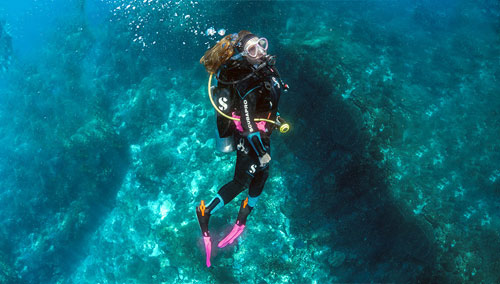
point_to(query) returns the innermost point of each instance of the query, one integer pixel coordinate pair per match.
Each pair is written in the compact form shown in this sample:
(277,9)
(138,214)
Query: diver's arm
(247,104)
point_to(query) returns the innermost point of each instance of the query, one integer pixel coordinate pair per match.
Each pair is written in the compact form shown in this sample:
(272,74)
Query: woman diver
(247,95)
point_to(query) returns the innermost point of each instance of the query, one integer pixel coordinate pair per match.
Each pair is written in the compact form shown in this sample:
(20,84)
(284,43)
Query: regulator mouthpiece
(271,60)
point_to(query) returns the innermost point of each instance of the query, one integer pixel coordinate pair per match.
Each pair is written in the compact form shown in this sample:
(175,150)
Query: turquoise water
(390,172)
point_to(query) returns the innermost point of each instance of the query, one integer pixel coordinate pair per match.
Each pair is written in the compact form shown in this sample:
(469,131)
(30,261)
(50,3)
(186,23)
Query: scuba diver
(247,95)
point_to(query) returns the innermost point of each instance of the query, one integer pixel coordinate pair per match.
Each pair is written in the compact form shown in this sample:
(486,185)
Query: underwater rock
(144,108)
(7,271)
(299,244)
(156,157)
(336,259)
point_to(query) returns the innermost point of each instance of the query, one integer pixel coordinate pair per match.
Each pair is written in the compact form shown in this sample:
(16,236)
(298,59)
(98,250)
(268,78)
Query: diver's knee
(243,179)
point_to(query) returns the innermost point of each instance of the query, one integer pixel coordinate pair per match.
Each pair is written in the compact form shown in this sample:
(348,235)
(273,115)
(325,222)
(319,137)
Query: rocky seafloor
(390,172)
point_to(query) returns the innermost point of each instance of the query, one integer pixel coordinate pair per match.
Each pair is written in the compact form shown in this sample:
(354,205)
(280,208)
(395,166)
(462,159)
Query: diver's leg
(224,196)
(203,212)
(243,175)
(227,192)
(256,187)
(233,188)
(254,191)
(257,184)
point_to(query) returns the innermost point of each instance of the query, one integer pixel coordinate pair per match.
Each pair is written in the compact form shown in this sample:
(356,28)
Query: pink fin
(208,248)
(229,239)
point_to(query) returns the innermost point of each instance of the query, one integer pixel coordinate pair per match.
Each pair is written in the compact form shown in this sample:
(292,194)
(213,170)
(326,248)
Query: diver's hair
(221,51)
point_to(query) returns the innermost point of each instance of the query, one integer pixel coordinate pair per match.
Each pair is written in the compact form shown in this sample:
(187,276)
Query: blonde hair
(221,51)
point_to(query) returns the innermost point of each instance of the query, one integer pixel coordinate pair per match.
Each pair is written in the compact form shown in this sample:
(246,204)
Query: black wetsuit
(255,97)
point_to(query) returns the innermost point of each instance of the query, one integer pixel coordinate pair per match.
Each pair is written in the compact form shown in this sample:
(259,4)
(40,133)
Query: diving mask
(256,47)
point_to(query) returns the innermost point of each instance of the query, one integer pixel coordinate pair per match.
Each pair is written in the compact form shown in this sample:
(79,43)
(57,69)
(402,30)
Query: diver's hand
(264,160)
